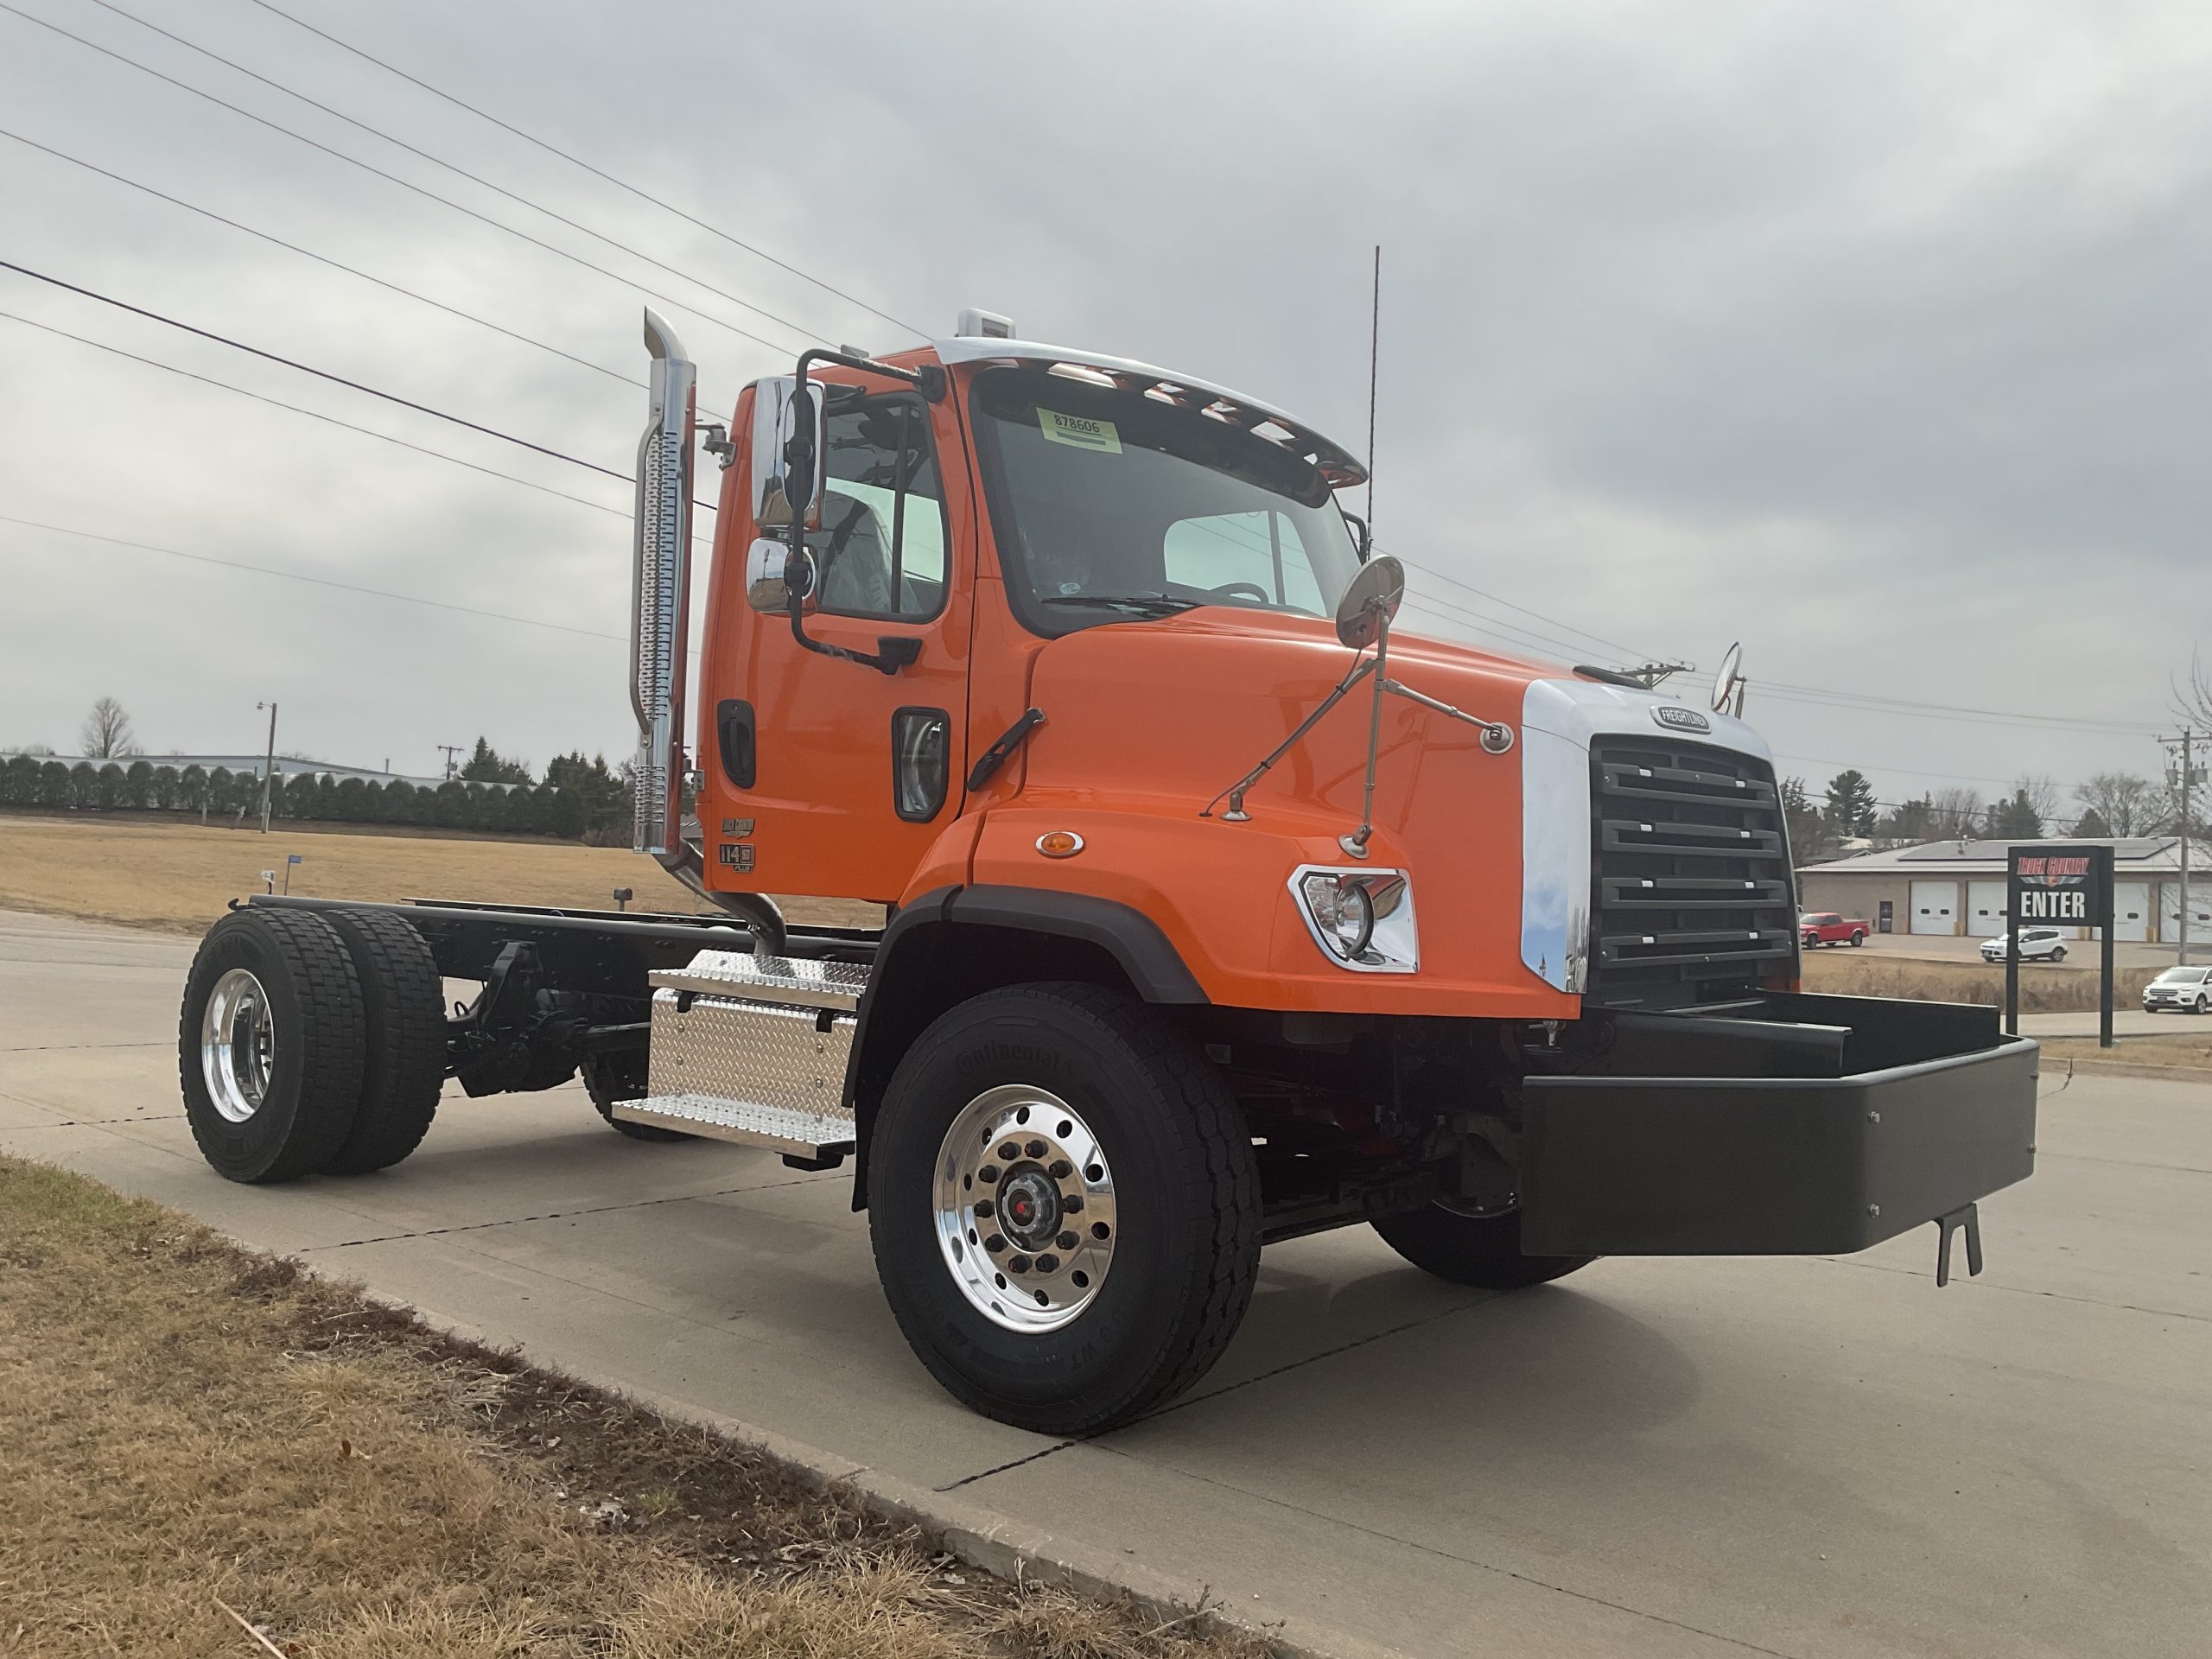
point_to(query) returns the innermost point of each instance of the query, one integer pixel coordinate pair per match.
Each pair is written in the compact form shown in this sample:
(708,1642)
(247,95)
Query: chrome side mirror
(770,578)
(1370,601)
(790,439)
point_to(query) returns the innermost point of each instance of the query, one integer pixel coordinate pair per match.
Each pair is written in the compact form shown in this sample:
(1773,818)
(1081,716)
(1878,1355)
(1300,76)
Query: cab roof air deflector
(1335,462)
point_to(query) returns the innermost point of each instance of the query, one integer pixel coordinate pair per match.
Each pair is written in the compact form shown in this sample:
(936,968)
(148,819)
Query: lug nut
(1067,1241)
(1060,1169)
(985,1209)
(1071,1202)
(995,1243)
(1008,1151)
(1017,1264)
(988,1173)
(1048,1264)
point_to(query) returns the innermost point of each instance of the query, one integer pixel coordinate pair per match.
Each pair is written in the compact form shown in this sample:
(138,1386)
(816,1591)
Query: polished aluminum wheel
(238,1046)
(1025,1208)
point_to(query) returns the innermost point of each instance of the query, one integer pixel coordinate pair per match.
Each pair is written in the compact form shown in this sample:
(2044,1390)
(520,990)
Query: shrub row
(224,795)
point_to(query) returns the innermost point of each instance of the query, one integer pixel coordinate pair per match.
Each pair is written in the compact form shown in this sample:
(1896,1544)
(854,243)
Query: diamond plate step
(793,979)
(783,1129)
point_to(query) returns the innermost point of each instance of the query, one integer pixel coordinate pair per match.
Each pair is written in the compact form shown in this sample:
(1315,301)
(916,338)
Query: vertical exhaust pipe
(660,614)
(660,609)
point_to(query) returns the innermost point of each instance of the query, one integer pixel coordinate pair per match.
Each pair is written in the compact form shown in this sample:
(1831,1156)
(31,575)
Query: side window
(881,550)
(1257,557)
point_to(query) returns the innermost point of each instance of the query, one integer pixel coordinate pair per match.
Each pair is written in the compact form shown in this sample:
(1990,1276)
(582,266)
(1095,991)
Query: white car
(2179,988)
(2037,944)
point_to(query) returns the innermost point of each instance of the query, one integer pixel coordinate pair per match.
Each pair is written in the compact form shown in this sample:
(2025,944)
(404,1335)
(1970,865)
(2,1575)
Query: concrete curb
(968,1531)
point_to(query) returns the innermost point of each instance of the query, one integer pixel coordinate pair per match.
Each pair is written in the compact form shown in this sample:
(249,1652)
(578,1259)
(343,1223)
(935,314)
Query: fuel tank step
(753,1048)
(806,1136)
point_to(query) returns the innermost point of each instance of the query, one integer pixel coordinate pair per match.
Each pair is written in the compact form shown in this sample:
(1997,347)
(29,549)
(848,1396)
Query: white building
(1958,888)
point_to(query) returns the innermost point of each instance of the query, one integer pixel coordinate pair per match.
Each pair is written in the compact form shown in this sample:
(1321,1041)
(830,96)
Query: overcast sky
(1873,335)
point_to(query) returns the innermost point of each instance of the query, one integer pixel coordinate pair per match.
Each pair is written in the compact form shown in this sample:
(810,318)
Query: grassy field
(2044,988)
(177,877)
(195,1440)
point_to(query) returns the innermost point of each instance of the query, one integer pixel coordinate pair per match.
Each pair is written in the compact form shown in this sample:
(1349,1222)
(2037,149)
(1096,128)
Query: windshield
(2182,977)
(1108,505)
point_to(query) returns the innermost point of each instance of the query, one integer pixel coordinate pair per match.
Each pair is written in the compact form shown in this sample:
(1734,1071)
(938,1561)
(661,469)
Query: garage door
(1934,905)
(1985,909)
(2131,911)
(2200,912)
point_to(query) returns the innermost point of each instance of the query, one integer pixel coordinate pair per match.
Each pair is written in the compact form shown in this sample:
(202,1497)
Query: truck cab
(1218,909)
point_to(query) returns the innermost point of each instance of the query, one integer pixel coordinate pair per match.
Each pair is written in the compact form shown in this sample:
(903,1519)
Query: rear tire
(1483,1251)
(1169,1158)
(609,1079)
(270,1045)
(403,1001)
(1858,939)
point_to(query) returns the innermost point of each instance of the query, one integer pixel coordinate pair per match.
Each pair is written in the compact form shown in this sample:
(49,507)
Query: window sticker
(1079,431)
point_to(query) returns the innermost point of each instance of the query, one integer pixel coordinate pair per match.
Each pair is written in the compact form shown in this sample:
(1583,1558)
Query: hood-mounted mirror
(1728,683)
(1370,601)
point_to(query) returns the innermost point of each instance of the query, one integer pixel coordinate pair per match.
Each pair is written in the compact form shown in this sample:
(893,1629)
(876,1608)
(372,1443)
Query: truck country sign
(2070,886)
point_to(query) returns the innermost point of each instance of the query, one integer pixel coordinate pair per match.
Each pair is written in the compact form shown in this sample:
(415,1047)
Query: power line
(1817,697)
(315,414)
(354,161)
(1596,638)
(575,160)
(315,581)
(802,331)
(323,259)
(319,374)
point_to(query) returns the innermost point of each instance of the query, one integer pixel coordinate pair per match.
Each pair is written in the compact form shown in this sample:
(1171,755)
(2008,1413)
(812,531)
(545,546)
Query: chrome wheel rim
(1025,1211)
(238,1046)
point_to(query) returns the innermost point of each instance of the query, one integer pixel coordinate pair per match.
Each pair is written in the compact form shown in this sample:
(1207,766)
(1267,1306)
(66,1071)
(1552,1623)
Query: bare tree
(2039,793)
(106,732)
(1955,812)
(2129,805)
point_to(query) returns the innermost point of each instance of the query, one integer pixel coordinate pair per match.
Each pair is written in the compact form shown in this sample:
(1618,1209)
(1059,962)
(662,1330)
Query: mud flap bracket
(1964,1218)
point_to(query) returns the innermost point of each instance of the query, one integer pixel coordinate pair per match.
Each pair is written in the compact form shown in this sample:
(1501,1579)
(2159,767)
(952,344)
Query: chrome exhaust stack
(660,616)
(659,595)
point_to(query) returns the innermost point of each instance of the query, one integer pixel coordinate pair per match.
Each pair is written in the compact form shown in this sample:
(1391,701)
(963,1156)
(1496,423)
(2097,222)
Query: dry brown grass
(2183,1051)
(186,1428)
(177,877)
(2043,989)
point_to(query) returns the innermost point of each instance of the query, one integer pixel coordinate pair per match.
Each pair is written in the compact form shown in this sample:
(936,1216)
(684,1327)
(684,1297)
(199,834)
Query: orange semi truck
(1220,912)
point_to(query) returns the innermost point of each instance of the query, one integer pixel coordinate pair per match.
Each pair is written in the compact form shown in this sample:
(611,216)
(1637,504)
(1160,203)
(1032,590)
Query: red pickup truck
(1826,927)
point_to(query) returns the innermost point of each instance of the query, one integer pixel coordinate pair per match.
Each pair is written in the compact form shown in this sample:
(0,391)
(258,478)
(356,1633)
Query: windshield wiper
(1139,604)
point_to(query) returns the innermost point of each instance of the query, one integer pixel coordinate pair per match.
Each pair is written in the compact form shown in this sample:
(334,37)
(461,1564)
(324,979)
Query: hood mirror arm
(1360,669)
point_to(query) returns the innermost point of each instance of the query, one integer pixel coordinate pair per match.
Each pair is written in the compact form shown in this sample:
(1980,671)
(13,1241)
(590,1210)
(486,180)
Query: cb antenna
(1374,354)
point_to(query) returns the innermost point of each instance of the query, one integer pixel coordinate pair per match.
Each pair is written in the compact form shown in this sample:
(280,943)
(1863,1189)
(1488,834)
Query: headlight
(1342,911)
(1363,919)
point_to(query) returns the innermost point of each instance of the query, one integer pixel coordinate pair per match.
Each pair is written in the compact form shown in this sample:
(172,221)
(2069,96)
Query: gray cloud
(1866,333)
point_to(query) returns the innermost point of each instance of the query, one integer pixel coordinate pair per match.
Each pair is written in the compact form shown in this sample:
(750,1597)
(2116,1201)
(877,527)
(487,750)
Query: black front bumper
(1803,1125)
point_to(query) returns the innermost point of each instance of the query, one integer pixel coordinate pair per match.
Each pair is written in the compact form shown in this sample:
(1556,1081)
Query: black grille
(1693,898)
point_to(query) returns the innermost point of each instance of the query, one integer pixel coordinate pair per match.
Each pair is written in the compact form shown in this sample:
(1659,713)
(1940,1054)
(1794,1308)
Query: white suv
(2178,987)
(2037,944)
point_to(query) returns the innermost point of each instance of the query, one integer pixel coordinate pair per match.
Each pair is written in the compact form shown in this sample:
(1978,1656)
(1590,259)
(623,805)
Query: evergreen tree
(1852,808)
(2091,826)
(486,764)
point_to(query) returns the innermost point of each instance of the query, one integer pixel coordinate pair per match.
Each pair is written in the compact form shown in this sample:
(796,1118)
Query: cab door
(823,776)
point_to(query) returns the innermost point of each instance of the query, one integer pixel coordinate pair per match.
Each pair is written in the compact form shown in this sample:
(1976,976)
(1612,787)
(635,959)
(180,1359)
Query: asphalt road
(1804,1457)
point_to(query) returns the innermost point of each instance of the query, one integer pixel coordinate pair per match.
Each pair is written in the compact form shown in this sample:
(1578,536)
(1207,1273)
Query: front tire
(2200,1005)
(1086,1105)
(2059,955)
(270,1045)
(1483,1251)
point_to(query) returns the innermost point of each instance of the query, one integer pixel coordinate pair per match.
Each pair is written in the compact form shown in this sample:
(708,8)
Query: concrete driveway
(1809,1456)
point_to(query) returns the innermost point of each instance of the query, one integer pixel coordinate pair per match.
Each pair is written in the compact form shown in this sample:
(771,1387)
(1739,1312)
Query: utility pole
(450,750)
(1374,360)
(2184,778)
(268,766)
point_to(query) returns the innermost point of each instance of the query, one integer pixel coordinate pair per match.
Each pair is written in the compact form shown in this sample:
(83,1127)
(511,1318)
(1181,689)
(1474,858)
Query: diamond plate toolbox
(765,1054)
